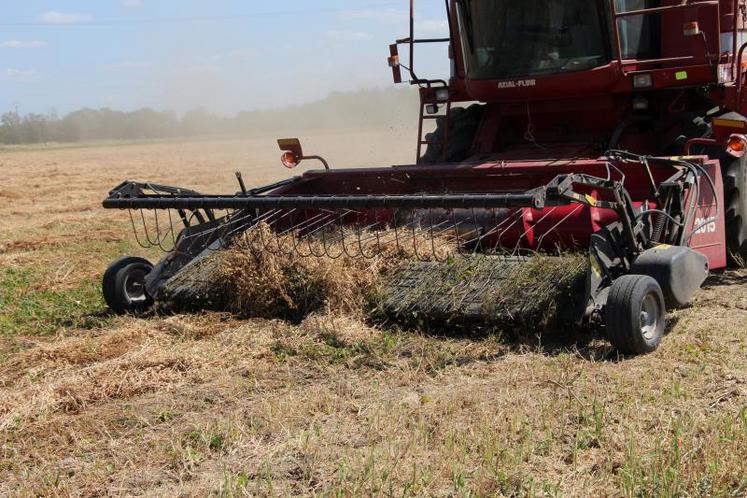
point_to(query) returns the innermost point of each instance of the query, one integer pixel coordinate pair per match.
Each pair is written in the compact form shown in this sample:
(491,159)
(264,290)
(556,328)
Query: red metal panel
(710,236)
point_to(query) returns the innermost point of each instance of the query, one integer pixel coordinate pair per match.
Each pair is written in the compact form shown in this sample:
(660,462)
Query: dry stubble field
(92,404)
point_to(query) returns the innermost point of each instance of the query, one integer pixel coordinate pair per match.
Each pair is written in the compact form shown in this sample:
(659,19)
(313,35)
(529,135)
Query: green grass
(26,307)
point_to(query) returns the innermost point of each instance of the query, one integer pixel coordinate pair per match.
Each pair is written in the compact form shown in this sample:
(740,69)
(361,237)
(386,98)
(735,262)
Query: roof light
(644,80)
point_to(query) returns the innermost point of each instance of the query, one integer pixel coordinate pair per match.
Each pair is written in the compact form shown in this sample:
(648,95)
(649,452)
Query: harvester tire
(463,125)
(735,200)
(123,285)
(635,314)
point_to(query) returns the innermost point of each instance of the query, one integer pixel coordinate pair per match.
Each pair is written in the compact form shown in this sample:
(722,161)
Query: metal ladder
(444,142)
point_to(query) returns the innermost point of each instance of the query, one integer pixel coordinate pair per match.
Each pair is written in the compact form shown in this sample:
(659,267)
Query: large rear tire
(735,200)
(635,314)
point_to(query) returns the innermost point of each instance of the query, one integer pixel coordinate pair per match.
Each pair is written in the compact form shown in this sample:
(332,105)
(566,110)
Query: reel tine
(309,222)
(557,225)
(518,216)
(396,231)
(145,229)
(136,232)
(343,237)
(162,237)
(326,243)
(526,232)
(173,230)
(372,228)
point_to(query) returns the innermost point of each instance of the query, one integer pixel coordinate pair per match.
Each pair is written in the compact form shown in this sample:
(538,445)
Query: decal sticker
(517,84)
(707,225)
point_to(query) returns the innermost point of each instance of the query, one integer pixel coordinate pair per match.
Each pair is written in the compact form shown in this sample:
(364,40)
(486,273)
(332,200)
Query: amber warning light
(293,153)
(737,146)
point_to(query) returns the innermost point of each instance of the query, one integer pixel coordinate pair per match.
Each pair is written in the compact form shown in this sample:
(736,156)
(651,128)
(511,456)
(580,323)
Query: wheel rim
(650,316)
(134,287)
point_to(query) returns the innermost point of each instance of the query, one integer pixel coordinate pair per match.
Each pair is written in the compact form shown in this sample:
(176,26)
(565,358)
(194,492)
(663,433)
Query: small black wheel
(635,314)
(124,285)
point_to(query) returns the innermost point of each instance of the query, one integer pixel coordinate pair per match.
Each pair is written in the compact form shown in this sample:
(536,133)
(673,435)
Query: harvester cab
(609,129)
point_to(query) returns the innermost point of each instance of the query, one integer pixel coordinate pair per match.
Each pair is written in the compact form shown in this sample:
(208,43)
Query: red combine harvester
(613,127)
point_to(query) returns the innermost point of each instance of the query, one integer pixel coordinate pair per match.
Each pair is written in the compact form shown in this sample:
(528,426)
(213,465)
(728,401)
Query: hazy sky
(225,55)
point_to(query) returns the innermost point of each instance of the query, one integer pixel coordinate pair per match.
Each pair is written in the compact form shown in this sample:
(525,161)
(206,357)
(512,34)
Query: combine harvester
(609,127)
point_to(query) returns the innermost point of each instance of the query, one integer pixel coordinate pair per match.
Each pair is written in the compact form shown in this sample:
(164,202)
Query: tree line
(341,110)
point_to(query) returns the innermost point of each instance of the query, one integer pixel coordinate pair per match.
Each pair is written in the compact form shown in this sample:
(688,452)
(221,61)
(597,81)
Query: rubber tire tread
(109,280)
(735,199)
(623,330)
(734,175)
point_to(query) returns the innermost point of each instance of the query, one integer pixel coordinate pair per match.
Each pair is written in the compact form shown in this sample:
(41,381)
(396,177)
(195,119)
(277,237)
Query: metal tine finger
(526,232)
(505,252)
(145,229)
(136,232)
(396,230)
(162,234)
(516,217)
(447,228)
(379,248)
(310,222)
(223,226)
(261,221)
(327,244)
(436,231)
(169,231)
(415,231)
(464,249)
(430,232)
(362,243)
(498,229)
(557,225)
(321,229)
(278,235)
(357,232)
(241,227)
(158,228)
(343,237)
(457,237)
(290,233)
(173,231)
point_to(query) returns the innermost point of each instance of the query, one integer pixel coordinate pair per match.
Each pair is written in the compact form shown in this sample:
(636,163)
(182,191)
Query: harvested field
(209,403)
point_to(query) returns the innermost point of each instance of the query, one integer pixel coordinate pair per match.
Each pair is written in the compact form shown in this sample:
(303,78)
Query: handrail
(739,76)
(653,10)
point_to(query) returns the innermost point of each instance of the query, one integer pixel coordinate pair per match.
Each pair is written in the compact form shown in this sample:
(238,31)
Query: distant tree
(339,110)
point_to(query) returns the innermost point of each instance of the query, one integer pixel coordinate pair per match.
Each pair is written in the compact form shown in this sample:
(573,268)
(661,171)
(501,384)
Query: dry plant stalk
(255,279)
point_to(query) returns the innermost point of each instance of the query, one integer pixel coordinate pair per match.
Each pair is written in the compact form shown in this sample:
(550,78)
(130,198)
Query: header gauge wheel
(124,285)
(635,314)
